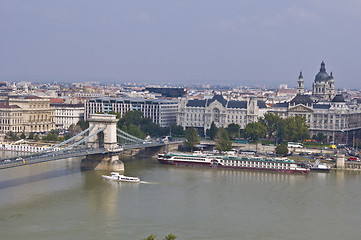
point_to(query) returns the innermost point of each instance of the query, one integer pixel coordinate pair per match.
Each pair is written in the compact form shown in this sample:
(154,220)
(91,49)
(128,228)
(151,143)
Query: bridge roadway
(62,154)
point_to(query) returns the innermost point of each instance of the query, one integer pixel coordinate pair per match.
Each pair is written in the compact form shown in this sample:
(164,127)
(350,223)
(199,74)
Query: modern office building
(167,92)
(162,111)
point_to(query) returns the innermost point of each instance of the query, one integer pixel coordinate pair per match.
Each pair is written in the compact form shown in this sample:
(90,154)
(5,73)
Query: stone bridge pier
(107,139)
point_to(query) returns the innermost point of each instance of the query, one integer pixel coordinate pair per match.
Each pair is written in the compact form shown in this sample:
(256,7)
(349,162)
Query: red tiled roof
(56,100)
(32,97)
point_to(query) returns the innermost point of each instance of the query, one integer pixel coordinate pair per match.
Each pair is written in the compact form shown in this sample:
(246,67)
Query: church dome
(322,75)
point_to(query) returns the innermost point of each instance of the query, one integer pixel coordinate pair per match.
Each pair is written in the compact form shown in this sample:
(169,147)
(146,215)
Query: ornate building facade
(38,116)
(26,114)
(324,111)
(324,84)
(201,113)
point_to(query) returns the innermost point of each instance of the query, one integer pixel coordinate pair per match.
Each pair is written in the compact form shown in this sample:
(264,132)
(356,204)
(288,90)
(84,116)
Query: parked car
(354,159)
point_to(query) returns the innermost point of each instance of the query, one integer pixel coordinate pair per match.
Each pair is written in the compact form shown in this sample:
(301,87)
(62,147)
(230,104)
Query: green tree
(177,130)
(222,140)
(12,136)
(133,130)
(320,137)
(74,129)
(36,137)
(150,128)
(282,149)
(31,135)
(282,132)
(22,136)
(233,130)
(151,237)
(296,129)
(115,113)
(255,131)
(271,122)
(52,136)
(83,124)
(212,132)
(170,237)
(131,117)
(192,138)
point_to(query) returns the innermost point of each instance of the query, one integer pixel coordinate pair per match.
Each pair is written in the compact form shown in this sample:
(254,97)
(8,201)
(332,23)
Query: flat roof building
(162,111)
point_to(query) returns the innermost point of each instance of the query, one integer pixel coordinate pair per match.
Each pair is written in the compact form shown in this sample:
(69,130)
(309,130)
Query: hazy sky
(243,42)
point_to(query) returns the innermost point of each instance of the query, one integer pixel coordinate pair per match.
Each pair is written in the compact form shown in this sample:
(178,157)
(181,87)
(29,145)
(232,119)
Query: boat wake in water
(145,182)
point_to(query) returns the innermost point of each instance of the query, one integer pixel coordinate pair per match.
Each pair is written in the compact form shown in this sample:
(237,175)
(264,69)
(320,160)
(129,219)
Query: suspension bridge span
(101,145)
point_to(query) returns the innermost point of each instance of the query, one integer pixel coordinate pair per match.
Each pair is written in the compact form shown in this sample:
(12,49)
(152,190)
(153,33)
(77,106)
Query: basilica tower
(323,86)
(300,85)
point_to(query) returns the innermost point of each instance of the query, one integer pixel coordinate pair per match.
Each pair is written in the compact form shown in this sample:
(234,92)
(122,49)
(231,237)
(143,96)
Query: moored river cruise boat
(226,161)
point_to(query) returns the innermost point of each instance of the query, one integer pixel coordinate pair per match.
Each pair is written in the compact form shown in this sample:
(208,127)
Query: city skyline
(241,43)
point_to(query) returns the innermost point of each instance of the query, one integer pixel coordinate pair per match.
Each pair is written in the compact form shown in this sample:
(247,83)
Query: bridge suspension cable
(130,136)
(126,138)
(69,140)
(84,139)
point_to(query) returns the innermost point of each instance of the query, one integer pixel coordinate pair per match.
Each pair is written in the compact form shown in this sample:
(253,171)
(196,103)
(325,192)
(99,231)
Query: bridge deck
(62,154)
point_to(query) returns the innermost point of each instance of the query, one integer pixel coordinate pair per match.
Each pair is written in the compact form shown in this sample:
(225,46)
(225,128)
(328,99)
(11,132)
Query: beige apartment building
(26,114)
(10,118)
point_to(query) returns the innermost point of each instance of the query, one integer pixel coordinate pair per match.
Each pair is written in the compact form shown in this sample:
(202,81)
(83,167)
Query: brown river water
(56,200)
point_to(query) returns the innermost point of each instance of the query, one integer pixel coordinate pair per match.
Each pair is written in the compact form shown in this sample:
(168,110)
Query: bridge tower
(98,121)
(109,160)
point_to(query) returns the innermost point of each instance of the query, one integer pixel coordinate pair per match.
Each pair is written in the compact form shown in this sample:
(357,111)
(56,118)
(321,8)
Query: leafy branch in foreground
(170,236)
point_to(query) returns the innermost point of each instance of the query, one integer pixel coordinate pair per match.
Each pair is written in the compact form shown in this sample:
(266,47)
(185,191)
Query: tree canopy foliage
(255,131)
(212,132)
(83,124)
(168,237)
(12,136)
(282,149)
(133,122)
(271,122)
(233,130)
(192,138)
(222,140)
(52,136)
(295,129)
(288,129)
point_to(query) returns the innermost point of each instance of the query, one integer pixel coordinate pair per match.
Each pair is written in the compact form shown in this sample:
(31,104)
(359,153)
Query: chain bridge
(101,145)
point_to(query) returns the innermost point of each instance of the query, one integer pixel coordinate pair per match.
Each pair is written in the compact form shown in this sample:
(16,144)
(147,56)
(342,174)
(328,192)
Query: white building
(201,113)
(338,120)
(162,112)
(67,114)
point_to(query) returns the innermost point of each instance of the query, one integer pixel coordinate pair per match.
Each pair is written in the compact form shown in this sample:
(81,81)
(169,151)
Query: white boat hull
(120,178)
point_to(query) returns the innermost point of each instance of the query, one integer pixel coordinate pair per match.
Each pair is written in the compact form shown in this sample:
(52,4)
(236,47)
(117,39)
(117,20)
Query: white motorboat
(114,176)
(322,167)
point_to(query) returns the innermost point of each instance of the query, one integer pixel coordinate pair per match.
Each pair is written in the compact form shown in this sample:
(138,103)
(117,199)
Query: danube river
(56,200)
